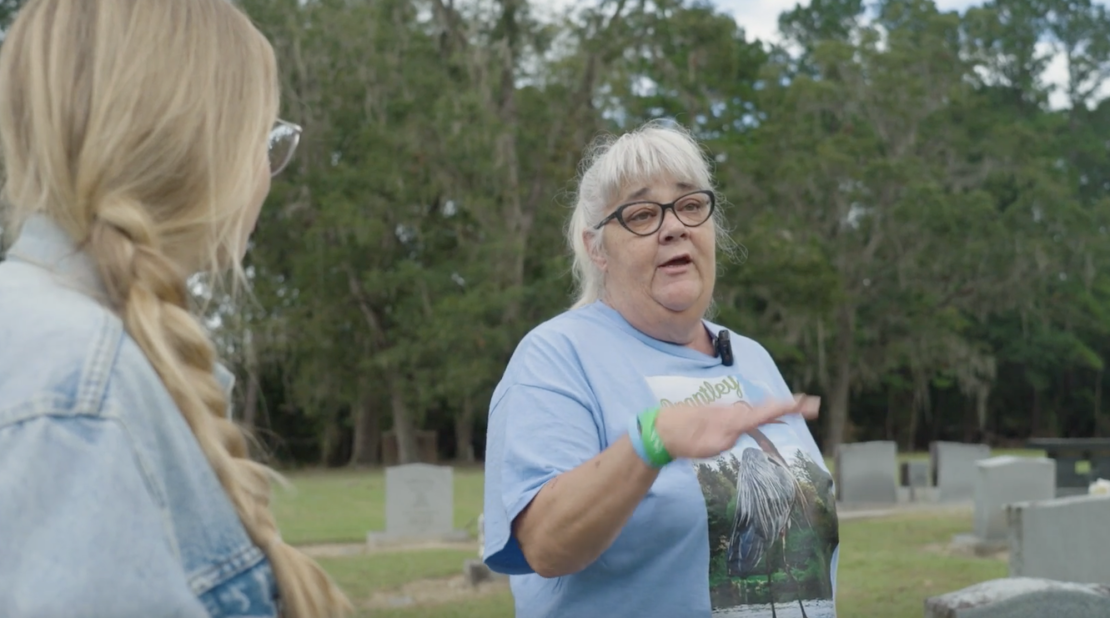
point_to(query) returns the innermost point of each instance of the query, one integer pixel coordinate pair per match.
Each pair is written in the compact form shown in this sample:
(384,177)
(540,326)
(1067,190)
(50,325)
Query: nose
(671,228)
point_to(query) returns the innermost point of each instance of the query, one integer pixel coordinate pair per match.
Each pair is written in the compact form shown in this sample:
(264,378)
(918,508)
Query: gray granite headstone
(1065,539)
(866,472)
(915,482)
(915,473)
(953,466)
(1022,597)
(1005,480)
(1049,603)
(419,505)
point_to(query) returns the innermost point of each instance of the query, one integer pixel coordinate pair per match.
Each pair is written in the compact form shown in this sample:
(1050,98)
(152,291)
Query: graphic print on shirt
(772,513)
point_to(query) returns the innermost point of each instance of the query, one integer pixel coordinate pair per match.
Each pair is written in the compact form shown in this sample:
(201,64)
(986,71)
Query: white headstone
(1006,480)
(866,472)
(1065,539)
(419,501)
(954,469)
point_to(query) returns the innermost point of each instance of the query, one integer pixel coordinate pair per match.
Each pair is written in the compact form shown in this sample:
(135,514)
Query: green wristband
(656,453)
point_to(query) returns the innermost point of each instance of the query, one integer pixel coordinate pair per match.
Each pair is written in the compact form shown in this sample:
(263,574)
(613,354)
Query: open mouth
(678,261)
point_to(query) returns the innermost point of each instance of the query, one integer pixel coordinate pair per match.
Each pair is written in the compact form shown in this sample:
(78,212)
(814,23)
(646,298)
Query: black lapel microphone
(724,348)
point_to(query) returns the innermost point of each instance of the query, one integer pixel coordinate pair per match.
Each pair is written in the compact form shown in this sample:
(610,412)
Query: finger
(808,406)
(765,412)
(801,403)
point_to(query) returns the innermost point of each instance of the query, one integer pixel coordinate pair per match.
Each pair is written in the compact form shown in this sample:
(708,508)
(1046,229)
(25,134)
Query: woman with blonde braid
(139,138)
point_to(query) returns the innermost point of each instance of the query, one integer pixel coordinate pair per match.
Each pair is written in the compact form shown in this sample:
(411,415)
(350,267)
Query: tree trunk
(464,433)
(1035,414)
(403,428)
(1098,400)
(1055,428)
(891,405)
(331,441)
(970,420)
(367,438)
(842,380)
(250,401)
(250,367)
(911,434)
(936,421)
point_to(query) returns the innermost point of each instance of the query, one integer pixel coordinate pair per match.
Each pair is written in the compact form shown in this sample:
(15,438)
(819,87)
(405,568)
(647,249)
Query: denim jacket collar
(43,243)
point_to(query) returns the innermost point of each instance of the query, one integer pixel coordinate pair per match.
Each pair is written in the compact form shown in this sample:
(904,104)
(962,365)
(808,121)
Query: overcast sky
(760,20)
(760,17)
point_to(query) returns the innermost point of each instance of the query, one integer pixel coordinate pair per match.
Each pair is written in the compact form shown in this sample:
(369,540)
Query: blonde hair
(138,126)
(612,163)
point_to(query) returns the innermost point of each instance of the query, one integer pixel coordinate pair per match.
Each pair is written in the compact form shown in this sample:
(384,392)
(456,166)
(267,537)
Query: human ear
(595,247)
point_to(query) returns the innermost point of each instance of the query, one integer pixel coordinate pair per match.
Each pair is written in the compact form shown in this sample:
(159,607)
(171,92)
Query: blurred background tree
(923,237)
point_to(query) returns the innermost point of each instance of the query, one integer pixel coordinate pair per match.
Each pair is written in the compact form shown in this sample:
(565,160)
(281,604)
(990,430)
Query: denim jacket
(108,507)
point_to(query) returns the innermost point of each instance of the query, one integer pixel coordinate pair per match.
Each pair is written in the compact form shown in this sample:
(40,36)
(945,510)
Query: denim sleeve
(80,532)
(535,434)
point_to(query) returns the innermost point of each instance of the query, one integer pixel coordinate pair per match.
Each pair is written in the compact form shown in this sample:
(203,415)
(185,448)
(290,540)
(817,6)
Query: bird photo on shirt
(771,510)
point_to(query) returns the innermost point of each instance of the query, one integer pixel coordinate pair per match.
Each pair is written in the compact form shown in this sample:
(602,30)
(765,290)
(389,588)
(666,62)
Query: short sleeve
(79,530)
(536,432)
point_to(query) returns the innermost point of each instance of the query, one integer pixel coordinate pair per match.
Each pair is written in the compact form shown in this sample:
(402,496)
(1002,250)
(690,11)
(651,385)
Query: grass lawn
(344,505)
(887,566)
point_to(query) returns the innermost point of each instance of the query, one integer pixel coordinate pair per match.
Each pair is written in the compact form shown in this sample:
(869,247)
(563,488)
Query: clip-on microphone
(724,348)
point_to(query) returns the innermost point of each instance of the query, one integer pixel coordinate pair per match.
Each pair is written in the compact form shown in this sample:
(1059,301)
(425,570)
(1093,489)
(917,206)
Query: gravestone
(1079,462)
(914,478)
(419,505)
(1006,480)
(1064,539)
(953,466)
(865,472)
(915,473)
(1022,597)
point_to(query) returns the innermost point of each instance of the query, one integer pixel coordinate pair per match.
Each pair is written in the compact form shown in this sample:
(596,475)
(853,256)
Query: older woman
(641,460)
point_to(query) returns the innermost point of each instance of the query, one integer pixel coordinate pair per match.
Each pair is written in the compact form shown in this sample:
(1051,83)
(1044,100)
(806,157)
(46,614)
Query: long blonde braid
(137,125)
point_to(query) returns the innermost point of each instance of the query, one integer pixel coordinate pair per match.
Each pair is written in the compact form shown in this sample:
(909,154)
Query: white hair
(655,149)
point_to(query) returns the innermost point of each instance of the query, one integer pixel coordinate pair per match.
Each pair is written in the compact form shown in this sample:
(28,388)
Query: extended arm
(566,499)
(578,514)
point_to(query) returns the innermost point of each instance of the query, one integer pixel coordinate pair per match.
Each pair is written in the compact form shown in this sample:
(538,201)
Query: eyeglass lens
(283,141)
(646,217)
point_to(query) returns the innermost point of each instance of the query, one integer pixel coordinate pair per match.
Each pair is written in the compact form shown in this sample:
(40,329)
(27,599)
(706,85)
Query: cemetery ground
(888,564)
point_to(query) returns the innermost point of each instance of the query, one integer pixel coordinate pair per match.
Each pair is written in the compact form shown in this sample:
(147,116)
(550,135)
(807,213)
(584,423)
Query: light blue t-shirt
(692,548)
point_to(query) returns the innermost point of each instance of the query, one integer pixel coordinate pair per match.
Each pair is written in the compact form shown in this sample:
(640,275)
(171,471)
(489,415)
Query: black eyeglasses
(283,139)
(645,218)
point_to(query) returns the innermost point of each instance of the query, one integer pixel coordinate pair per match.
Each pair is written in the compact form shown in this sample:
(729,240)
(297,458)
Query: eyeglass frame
(296,130)
(618,214)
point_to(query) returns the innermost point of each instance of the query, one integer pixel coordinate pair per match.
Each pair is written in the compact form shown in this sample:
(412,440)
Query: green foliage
(923,239)
(322,507)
